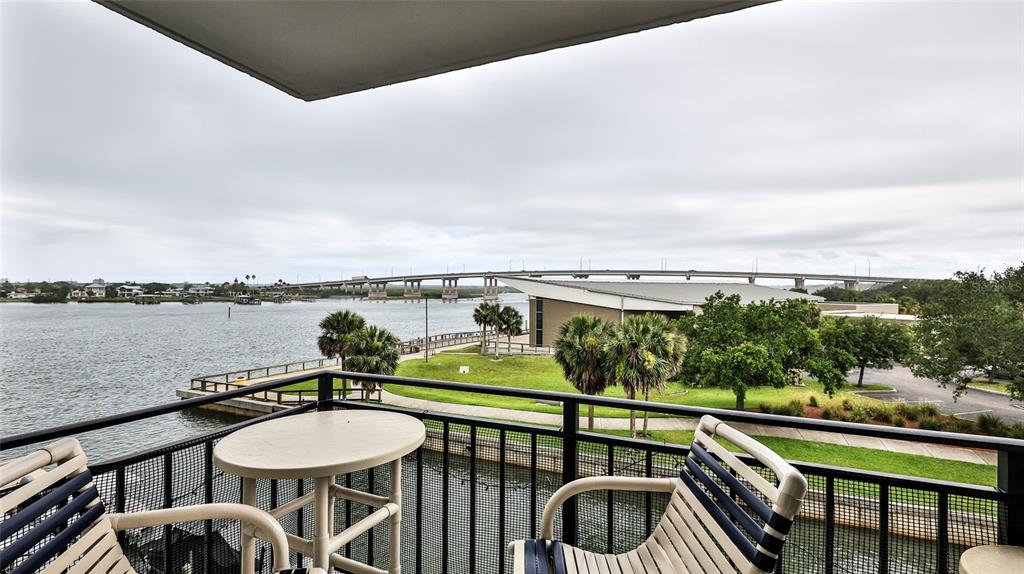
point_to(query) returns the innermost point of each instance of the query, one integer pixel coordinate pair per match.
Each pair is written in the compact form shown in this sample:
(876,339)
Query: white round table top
(992,559)
(318,444)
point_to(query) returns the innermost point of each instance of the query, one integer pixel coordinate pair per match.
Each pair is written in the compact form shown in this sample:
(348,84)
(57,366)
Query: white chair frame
(695,535)
(84,539)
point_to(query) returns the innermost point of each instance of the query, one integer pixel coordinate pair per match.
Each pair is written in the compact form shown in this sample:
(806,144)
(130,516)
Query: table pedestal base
(324,544)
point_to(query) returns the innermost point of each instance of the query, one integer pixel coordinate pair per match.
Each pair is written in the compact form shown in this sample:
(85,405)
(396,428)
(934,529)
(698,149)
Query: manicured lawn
(542,373)
(857,457)
(987,386)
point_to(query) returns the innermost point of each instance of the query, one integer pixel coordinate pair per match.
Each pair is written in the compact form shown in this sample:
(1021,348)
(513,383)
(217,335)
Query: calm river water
(67,363)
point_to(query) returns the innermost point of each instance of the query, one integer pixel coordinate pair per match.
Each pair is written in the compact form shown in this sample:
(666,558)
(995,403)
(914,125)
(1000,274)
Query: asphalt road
(969,405)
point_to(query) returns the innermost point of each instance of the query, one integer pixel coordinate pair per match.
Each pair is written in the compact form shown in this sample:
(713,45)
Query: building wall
(862,307)
(558,312)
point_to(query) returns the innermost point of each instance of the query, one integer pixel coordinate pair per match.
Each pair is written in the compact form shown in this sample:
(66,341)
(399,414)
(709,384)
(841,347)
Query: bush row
(899,414)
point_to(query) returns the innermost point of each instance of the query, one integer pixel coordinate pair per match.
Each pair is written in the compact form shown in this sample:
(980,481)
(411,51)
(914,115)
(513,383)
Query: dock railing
(408,347)
(477,483)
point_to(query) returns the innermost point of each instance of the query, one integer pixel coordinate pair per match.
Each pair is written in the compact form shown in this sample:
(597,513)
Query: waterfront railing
(408,347)
(477,484)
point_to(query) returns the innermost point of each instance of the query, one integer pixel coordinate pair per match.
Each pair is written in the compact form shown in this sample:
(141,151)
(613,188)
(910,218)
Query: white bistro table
(321,446)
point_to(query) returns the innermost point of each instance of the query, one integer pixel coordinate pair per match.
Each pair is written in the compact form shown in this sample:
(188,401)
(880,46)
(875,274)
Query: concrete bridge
(376,287)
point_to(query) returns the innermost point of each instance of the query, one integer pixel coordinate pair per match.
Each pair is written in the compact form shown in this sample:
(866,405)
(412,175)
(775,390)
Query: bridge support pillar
(852,285)
(800,283)
(751,280)
(412,289)
(490,288)
(378,291)
(450,289)
(632,277)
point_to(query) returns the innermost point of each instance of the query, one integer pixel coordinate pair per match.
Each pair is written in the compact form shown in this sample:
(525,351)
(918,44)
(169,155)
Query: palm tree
(580,351)
(509,322)
(485,315)
(637,351)
(338,332)
(670,346)
(374,351)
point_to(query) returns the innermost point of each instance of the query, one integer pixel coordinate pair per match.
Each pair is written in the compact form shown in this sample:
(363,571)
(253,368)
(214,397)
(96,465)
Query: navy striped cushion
(758,544)
(69,518)
(537,559)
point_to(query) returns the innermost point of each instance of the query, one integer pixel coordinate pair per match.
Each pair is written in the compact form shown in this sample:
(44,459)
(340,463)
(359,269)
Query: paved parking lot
(970,405)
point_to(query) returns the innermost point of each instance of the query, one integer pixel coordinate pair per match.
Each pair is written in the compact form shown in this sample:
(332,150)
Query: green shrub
(992,425)
(898,421)
(928,410)
(826,413)
(882,415)
(793,408)
(1017,431)
(765,407)
(847,405)
(909,412)
(859,415)
(932,423)
(963,426)
(812,401)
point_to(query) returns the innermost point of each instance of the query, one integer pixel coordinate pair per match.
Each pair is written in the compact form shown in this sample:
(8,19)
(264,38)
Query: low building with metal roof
(553,302)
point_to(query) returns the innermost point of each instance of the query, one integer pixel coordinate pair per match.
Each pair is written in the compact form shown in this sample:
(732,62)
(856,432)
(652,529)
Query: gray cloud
(805,135)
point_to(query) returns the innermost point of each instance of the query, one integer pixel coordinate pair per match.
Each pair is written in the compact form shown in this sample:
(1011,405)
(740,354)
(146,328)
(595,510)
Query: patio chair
(723,516)
(55,522)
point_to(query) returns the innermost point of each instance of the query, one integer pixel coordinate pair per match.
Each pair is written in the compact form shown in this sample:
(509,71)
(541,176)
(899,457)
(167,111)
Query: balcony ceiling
(317,49)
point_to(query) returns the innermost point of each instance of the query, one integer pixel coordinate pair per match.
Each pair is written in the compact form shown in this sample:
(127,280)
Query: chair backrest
(53,518)
(729,517)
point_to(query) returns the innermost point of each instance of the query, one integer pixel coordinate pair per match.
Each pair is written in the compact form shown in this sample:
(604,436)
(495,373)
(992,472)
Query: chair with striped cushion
(723,516)
(55,522)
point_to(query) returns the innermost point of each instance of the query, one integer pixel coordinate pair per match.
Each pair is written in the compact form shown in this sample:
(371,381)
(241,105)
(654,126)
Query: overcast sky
(809,136)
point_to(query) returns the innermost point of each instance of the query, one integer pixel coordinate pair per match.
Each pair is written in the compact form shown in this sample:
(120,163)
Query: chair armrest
(266,527)
(629,483)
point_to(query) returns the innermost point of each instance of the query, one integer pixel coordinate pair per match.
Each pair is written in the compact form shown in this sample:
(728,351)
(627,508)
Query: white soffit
(547,290)
(314,49)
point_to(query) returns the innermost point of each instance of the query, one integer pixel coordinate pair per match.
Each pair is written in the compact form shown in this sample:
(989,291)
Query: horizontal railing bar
(876,477)
(935,485)
(914,435)
(455,419)
(23,439)
(133,458)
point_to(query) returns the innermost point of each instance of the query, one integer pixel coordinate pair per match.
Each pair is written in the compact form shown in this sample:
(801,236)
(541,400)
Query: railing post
(570,430)
(324,386)
(1011,481)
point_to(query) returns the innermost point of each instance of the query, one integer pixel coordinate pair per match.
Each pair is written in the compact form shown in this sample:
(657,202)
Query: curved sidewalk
(671,423)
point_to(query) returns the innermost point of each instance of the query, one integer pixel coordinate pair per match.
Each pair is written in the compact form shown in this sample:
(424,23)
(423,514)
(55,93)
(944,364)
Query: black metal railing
(477,484)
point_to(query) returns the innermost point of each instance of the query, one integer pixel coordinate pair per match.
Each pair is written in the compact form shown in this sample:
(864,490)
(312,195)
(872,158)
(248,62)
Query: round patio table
(321,446)
(992,559)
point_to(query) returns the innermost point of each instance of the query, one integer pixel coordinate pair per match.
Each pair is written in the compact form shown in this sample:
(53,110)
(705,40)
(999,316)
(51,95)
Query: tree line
(974,324)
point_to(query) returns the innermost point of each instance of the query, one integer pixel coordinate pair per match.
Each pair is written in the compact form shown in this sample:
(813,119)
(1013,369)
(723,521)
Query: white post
(248,543)
(322,530)
(395,496)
